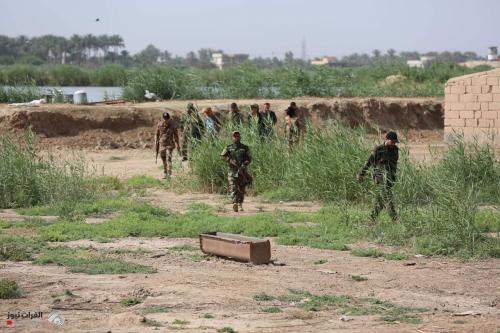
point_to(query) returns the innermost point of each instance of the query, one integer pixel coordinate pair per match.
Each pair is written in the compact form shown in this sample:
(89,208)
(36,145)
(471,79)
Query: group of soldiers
(383,159)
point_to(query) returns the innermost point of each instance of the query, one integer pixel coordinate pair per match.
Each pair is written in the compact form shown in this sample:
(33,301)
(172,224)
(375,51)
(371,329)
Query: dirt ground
(211,293)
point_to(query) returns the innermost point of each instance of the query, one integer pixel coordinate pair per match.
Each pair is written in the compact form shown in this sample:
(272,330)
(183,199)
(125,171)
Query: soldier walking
(235,117)
(292,125)
(384,161)
(237,155)
(256,120)
(269,118)
(192,129)
(167,138)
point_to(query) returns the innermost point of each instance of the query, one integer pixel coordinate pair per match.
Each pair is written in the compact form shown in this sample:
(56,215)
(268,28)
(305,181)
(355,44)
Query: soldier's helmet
(166,115)
(392,136)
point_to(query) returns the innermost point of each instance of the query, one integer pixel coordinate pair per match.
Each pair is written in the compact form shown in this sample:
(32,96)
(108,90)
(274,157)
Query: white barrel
(80,97)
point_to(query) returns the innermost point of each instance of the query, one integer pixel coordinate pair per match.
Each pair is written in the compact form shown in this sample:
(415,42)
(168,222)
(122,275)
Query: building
(493,54)
(329,61)
(424,61)
(221,60)
(472,107)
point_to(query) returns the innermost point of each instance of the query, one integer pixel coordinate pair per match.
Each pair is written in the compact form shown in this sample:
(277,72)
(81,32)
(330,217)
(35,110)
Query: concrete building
(493,54)
(221,60)
(324,61)
(472,107)
(421,63)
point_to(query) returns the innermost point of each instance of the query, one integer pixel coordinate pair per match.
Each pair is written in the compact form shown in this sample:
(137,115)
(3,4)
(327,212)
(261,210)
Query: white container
(80,97)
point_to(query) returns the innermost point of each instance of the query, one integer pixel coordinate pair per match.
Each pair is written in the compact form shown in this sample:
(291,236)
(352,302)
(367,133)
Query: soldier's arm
(225,155)
(176,137)
(369,163)
(248,159)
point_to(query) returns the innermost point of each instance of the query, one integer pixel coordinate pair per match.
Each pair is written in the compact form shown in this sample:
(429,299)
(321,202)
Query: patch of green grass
(226,329)
(358,278)
(272,309)
(395,256)
(460,322)
(182,248)
(130,301)
(320,262)
(69,293)
(180,322)
(86,261)
(142,181)
(371,252)
(208,316)
(9,289)
(17,248)
(117,158)
(263,297)
(195,257)
(155,309)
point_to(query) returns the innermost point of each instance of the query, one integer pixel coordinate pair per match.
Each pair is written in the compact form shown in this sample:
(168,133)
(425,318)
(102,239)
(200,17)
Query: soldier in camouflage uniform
(167,138)
(292,125)
(192,128)
(384,161)
(238,157)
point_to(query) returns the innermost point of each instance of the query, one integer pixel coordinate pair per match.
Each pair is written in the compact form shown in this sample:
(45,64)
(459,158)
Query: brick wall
(472,106)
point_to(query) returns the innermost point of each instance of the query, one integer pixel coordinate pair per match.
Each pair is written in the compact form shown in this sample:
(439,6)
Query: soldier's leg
(184,147)
(379,203)
(163,155)
(168,168)
(233,191)
(389,202)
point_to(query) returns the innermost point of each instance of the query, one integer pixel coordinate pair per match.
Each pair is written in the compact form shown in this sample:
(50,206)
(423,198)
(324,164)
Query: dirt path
(190,289)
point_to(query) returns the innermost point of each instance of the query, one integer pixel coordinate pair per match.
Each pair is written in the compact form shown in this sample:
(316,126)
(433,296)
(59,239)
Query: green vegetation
(130,301)
(226,329)
(180,322)
(395,256)
(155,309)
(348,305)
(371,252)
(182,248)
(28,179)
(208,316)
(143,182)
(263,297)
(9,289)
(17,248)
(358,278)
(82,260)
(271,309)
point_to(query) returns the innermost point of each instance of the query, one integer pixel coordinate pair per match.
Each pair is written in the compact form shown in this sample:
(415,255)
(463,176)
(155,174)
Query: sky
(266,27)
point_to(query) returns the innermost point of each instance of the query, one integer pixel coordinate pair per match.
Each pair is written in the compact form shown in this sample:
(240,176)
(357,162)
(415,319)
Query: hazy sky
(266,27)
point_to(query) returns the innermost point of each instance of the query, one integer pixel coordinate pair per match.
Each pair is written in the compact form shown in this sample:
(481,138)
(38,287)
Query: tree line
(91,50)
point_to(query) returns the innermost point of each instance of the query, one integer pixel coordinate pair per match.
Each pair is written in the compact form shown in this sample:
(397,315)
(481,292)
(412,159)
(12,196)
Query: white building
(323,61)
(424,61)
(221,60)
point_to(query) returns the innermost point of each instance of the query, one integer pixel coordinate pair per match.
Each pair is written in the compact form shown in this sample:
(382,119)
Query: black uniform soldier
(192,129)
(256,120)
(270,119)
(235,116)
(238,157)
(384,161)
(167,138)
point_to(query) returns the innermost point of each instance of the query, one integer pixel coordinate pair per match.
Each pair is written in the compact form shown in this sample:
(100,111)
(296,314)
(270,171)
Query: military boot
(235,207)
(241,206)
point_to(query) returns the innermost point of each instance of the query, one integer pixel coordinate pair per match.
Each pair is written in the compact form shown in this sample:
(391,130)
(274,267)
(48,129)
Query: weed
(208,316)
(90,262)
(9,289)
(130,301)
(271,309)
(155,309)
(371,252)
(226,329)
(182,248)
(180,322)
(358,278)
(263,297)
(16,248)
(143,182)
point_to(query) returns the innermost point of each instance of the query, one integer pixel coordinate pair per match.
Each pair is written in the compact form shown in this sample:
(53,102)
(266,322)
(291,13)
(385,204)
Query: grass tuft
(9,289)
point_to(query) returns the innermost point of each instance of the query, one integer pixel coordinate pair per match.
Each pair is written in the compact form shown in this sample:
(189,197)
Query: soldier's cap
(165,115)
(236,132)
(392,136)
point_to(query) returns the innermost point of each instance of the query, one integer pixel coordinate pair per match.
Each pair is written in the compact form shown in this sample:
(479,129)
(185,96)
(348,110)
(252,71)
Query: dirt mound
(132,125)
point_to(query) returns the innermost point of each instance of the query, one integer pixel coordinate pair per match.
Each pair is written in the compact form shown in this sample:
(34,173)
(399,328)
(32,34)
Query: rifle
(157,144)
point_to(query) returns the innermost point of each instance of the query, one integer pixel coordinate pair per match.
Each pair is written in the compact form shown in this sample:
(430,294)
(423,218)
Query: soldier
(192,128)
(238,157)
(236,118)
(211,122)
(270,119)
(167,138)
(292,126)
(384,161)
(256,120)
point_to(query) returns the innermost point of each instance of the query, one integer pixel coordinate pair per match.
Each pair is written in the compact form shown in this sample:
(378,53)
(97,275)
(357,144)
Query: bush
(28,179)
(9,289)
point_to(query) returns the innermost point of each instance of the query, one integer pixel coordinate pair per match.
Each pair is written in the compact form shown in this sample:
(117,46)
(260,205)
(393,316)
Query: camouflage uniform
(192,129)
(238,176)
(292,126)
(168,138)
(384,161)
